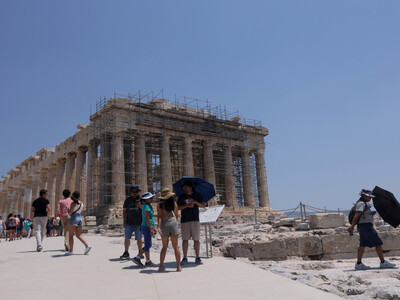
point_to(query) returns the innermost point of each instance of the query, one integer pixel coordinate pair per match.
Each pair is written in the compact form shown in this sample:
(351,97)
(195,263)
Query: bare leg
(197,248)
(360,253)
(146,253)
(127,244)
(139,244)
(165,240)
(185,245)
(79,235)
(379,251)
(71,237)
(174,241)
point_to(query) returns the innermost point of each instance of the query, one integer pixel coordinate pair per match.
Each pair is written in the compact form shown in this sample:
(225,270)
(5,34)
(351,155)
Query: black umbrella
(387,206)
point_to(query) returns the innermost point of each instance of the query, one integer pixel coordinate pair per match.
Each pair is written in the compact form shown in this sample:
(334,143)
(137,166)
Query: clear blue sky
(323,76)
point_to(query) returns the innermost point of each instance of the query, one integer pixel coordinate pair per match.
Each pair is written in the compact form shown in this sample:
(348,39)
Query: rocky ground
(335,276)
(339,277)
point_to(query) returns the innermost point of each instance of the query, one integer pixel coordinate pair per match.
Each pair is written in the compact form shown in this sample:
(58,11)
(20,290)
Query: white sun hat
(367,193)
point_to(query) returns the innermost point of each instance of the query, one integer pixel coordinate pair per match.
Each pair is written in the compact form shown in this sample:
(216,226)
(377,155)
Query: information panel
(210,214)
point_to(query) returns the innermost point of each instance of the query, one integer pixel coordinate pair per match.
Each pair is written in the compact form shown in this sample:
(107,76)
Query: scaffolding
(151,114)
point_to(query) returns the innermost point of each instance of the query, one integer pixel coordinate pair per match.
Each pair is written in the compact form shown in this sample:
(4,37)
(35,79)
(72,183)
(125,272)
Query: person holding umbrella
(189,203)
(363,218)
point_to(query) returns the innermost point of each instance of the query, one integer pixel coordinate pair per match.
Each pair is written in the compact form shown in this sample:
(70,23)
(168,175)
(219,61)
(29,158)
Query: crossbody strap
(76,209)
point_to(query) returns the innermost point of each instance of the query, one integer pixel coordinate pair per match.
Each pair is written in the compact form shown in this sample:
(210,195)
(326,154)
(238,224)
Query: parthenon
(151,142)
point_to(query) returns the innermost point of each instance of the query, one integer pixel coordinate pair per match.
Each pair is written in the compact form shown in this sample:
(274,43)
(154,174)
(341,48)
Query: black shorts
(368,236)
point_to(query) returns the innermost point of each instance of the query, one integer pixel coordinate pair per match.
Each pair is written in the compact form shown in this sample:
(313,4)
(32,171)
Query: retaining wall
(338,246)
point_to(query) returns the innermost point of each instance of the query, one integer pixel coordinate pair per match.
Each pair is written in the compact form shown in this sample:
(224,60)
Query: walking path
(26,273)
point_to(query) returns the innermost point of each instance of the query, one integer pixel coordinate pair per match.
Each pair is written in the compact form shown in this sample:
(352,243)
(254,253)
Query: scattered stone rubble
(321,257)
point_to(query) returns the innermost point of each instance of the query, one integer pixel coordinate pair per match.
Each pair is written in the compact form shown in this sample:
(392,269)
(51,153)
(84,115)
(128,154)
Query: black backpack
(11,222)
(353,212)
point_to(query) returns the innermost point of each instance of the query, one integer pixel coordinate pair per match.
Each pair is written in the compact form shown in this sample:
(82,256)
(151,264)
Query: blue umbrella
(204,188)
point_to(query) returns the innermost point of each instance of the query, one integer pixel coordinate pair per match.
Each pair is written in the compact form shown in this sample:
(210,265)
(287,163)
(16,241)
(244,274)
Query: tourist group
(138,220)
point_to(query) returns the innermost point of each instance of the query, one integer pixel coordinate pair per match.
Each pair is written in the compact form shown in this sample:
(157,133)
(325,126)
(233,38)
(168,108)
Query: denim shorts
(368,235)
(76,220)
(129,229)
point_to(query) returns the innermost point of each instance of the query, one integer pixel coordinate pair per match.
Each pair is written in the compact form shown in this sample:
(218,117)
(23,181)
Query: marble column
(141,162)
(28,197)
(262,179)
(60,171)
(21,197)
(230,189)
(118,170)
(188,168)
(3,205)
(6,204)
(43,179)
(209,171)
(248,187)
(165,161)
(69,172)
(90,176)
(35,190)
(51,178)
(80,174)
(11,200)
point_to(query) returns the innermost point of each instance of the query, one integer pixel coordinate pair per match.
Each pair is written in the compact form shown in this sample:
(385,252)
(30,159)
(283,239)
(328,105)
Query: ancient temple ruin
(151,142)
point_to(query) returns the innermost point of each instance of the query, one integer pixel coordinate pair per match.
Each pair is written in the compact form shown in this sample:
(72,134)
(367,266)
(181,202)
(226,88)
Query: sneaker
(184,261)
(387,265)
(87,249)
(125,255)
(361,266)
(198,261)
(69,253)
(150,264)
(39,249)
(66,248)
(137,261)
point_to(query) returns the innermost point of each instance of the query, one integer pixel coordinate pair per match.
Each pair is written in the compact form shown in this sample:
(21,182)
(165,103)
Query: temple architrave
(149,142)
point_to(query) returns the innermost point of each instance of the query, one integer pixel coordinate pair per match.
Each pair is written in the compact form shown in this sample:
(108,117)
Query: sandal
(161,269)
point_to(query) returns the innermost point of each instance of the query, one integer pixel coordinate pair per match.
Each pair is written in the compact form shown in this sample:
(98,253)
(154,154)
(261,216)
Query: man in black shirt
(40,209)
(189,203)
(132,215)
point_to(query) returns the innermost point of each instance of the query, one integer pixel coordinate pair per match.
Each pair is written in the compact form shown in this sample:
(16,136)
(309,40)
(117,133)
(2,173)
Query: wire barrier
(303,210)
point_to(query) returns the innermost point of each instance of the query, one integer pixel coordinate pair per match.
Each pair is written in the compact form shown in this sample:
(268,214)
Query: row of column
(188,169)
(70,173)
(66,173)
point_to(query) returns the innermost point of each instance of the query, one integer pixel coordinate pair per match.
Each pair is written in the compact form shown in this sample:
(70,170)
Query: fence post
(301,212)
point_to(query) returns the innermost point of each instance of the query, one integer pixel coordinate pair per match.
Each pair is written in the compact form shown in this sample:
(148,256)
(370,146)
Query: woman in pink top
(62,209)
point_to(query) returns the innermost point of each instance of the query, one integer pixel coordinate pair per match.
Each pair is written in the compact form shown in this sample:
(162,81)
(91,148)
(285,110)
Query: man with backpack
(132,220)
(363,218)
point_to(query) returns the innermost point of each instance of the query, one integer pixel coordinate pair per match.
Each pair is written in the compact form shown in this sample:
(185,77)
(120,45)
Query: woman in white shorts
(167,217)
(75,224)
